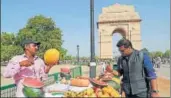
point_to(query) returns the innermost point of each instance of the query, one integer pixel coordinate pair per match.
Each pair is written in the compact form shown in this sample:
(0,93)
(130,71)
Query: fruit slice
(33,82)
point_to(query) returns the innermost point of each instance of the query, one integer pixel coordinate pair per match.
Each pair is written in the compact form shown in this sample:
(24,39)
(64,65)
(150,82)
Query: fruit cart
(78,86)
(10,90)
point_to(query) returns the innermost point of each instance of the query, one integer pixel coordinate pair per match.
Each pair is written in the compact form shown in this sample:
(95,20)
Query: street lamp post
(92,60)
(78,54)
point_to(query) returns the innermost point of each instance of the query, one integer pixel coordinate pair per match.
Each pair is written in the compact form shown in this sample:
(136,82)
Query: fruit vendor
(26,65)
(139,77)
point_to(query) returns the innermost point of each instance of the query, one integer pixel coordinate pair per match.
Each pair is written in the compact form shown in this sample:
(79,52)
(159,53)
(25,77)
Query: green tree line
(155,54)
(39,28)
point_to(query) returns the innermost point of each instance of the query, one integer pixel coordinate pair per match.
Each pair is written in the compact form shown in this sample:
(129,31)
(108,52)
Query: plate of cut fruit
(106,78)
(98,83)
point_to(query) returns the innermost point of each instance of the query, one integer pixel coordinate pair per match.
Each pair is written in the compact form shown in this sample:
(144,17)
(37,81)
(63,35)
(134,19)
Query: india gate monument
(121,19)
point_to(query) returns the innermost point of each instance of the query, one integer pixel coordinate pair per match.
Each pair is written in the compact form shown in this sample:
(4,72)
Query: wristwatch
(155,91)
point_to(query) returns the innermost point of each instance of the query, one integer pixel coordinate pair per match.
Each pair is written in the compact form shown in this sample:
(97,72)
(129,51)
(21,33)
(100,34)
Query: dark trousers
(139,95)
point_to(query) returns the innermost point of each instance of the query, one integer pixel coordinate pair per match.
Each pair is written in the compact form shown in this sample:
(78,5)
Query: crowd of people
(158,61)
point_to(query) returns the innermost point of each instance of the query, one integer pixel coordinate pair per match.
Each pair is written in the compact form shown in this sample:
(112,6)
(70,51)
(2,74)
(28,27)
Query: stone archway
(118,18)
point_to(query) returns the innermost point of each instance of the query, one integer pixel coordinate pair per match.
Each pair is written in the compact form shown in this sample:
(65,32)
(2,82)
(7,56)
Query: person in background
(26,65)
(137,71)
(153,61)
(158,62)
(103,68)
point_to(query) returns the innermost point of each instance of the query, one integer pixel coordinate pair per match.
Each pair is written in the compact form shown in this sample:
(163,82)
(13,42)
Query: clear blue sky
(73,17)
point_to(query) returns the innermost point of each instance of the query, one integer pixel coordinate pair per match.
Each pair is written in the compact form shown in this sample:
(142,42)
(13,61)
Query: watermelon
(33,87)
(33,82)
(33,92)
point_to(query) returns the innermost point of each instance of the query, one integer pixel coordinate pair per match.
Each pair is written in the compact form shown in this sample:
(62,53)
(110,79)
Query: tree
(158,54)
(7,38)
(68,57)
(145,50)
(96,58)
(38,28)
(8,51)
(152,54)
(8,46)
(44,30)
(167,54)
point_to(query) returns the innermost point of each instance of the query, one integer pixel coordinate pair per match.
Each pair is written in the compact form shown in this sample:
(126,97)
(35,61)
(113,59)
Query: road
(164,71)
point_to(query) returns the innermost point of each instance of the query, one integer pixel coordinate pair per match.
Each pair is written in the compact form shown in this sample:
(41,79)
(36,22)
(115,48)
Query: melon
(33,92)
(51,56)
(33,87)
(80,82)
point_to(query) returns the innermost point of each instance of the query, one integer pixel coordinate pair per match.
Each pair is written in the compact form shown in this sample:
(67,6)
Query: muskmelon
(51,56)
(80,82)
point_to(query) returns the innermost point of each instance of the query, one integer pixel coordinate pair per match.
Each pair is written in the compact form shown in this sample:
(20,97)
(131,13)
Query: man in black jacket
(136,67)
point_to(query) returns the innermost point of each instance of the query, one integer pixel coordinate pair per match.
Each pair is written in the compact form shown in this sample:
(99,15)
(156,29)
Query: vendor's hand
(26,63)
(115,72)
(109,69)
(48,67)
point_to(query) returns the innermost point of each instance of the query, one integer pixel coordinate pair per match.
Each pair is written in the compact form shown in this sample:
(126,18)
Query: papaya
(80,82)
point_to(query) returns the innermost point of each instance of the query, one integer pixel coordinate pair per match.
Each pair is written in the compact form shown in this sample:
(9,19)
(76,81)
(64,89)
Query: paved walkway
(163,71)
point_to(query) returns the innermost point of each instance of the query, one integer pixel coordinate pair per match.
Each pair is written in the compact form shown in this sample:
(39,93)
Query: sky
(73,18)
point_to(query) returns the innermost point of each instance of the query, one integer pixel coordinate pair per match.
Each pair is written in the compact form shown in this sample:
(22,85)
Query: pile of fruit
(107,92)
(70,94)
(86,93)
(94,92)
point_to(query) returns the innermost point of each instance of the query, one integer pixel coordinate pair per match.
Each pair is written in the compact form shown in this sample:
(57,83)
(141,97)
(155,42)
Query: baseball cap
(28,41)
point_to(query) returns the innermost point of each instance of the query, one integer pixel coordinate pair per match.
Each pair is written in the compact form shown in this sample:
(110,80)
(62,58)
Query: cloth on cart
(79,89)
(57,87)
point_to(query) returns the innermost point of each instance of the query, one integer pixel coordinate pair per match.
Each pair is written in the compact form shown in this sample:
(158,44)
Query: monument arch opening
(121,19)
(117,34)
(120,31)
